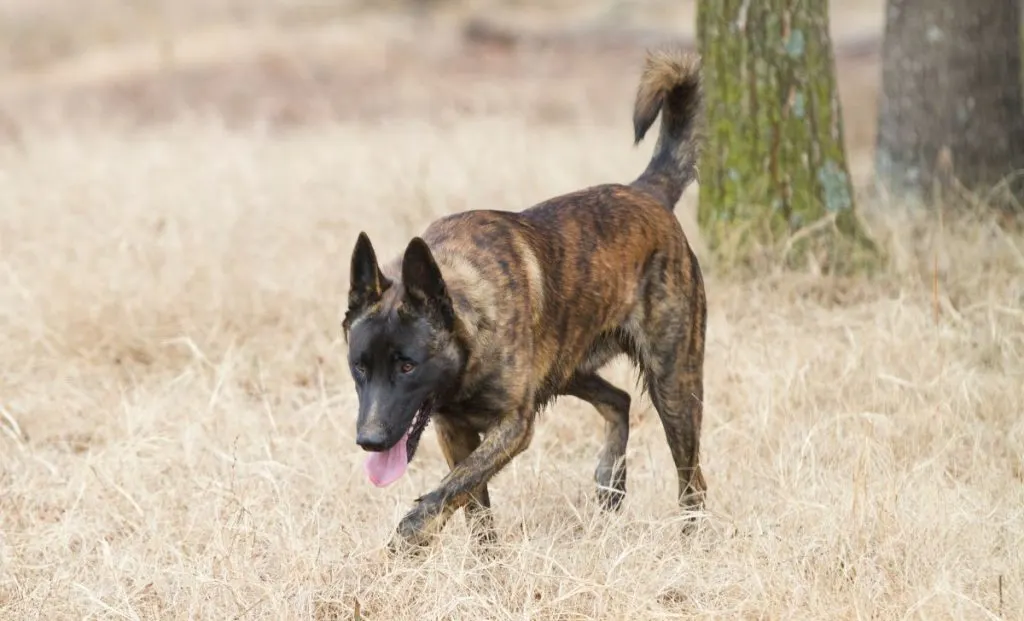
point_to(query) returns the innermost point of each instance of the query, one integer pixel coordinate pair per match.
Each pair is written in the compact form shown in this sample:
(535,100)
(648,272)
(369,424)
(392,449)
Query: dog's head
(402,353)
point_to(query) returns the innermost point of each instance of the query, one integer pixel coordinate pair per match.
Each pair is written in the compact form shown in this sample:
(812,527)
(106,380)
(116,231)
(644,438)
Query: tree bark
(774,162)
(951,96)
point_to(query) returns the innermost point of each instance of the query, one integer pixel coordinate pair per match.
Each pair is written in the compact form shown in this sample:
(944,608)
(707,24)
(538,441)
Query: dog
(489,316)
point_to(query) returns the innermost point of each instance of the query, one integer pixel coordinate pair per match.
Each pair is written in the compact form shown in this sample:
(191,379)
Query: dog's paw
(694,518)
(403,547)
(416,529)
(481,523)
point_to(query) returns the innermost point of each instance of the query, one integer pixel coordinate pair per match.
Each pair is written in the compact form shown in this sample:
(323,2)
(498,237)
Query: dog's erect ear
(366,282)
(425,288)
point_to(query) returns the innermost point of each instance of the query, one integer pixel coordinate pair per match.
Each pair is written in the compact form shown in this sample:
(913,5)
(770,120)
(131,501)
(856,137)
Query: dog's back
(582,264)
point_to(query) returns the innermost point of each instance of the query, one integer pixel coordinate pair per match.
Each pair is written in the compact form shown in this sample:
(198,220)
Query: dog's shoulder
(478,235)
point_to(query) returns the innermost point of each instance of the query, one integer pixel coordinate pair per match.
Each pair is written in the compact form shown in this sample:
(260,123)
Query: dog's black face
(398,369)
(402,354)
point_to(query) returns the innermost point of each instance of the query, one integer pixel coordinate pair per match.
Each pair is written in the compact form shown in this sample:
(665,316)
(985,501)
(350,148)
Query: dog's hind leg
(677,396)
(457,443)
(672,362)
(613,405)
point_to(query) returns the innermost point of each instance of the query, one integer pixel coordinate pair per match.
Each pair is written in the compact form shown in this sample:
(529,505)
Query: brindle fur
(522,308)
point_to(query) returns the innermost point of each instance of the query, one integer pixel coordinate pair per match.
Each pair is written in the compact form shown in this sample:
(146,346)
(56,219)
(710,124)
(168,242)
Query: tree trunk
(774,161)
(951,96)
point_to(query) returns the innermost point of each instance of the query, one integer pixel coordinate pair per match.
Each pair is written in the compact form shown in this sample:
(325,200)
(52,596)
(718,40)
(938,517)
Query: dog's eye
(359,368)
(406,367)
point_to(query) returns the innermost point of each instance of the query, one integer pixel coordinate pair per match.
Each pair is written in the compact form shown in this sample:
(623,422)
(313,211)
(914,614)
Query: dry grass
(176,423)
(171,302)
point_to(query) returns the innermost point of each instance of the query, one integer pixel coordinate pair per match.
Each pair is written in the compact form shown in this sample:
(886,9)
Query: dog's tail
(670,84)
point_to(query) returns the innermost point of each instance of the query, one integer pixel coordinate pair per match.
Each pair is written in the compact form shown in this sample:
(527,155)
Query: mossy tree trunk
(774,162)
(951,98)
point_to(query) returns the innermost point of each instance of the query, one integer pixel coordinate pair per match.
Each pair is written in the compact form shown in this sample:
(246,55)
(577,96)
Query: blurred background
(286,62)
(181,185)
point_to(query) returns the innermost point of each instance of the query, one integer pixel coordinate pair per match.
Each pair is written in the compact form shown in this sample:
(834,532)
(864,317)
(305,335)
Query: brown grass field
(180,187)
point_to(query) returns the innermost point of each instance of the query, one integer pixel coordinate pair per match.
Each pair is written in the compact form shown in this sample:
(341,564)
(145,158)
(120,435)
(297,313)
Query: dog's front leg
(509,437)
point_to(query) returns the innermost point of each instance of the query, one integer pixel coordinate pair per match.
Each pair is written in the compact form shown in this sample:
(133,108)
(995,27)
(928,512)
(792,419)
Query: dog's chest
(477,409)
(466,417)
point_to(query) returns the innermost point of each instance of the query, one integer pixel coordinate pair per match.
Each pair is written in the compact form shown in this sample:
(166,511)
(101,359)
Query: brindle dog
(489,316)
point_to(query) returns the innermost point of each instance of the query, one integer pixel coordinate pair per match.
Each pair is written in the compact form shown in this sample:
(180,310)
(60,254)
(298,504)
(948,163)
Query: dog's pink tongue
(386,467)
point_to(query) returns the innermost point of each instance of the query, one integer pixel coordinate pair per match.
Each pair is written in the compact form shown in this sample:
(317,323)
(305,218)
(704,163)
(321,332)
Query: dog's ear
(425,289)
(366,282)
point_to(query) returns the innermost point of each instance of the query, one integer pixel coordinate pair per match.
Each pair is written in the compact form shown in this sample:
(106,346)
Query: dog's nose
(371,439)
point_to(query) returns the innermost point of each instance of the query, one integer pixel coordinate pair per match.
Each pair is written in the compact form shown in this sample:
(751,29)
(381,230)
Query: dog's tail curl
(670,84)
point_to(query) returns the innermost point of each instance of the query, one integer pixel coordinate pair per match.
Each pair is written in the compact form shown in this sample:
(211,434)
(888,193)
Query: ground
(181,184)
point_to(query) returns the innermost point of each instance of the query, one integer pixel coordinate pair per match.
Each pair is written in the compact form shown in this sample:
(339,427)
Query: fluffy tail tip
(667,72)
